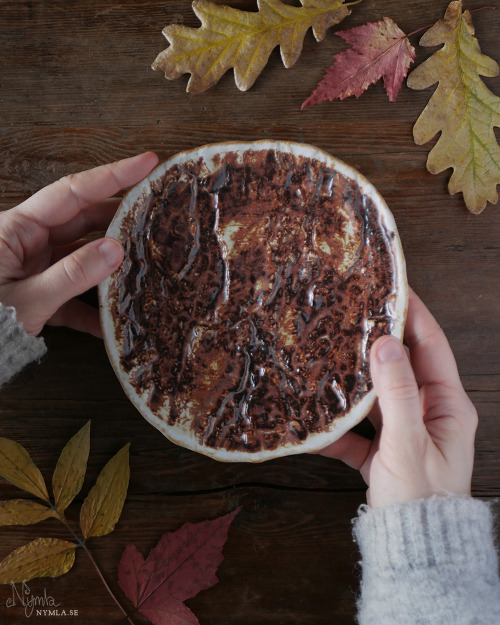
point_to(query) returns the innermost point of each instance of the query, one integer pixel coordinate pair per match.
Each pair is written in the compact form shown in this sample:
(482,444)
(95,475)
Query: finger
(352,449)
(74,274)
(61,201)
(431,355)
(436,369)
(93,218)
(65,250)
(375,416)
(79,316)
(396,388)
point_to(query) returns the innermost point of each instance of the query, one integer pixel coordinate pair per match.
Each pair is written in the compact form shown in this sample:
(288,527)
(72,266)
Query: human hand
(425,422)
(44,264)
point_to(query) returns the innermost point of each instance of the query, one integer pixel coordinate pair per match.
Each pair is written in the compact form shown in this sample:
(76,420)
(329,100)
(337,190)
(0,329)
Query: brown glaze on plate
(256,278)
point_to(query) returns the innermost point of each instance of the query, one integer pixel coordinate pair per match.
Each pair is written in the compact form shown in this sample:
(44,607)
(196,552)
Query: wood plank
(90,65)
(34,157)
(304,534)
(76,90)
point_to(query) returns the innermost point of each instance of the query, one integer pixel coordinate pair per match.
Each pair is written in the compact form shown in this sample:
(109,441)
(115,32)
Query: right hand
(425,422)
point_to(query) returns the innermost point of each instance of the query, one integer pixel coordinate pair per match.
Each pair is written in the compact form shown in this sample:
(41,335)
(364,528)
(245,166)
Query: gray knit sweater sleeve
(17,348)
(428,562)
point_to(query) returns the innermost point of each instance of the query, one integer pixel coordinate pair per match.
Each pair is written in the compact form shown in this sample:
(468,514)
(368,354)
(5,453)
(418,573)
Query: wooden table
(76,90)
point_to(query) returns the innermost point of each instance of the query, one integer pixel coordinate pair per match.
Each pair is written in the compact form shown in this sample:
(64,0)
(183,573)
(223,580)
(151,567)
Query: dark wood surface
(76,90)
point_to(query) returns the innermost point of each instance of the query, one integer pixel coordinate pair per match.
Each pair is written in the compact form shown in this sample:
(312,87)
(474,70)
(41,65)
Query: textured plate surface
(256,278)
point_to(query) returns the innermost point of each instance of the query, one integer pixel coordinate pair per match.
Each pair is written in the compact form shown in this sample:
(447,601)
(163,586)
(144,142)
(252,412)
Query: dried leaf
(17,466)
(181,565)
(23,512)
(243,40)
(379,50)
(130,576)
(69,473)
(462,108)
(103,505)
(43,557)
(169,612)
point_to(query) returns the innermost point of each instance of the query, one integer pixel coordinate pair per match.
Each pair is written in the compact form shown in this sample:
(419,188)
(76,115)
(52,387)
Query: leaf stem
(113,596)
(67,526)
(429,25)
(482,8)
(81,543)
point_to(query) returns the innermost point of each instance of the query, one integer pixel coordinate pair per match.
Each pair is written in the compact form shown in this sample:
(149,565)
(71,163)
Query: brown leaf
(462,109)
(17,466)
(102,507)
(23,512)
(43,557)
(69,473)
(243,40)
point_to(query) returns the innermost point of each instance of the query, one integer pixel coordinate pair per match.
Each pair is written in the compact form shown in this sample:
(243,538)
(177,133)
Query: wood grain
(76,91)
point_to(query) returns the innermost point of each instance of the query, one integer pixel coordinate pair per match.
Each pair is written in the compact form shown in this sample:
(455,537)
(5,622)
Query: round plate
(256,278)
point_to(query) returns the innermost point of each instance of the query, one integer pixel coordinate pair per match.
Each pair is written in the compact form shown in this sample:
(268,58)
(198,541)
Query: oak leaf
(462,108)
(181,565)
(243,40)
(103,505)
(43,557)
(378,50)
(24,512)
(69,473)
(17,467)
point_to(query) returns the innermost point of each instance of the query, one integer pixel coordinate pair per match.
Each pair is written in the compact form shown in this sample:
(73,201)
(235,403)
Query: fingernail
(112,251)
(391,349)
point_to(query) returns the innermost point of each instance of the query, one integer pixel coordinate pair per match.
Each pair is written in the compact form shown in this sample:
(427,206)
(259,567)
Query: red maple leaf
(181,565)
(379,50)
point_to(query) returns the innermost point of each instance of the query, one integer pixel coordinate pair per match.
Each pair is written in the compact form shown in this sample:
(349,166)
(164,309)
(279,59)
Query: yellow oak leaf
(462,108)
(24,512)
(43,557)
(17,466)
(243,40)
(103,505)
(69,473)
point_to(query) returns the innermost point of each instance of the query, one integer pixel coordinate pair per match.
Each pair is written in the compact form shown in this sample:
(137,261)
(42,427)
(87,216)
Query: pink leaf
(129,577)
(181,565)
(171,612)
(379,50)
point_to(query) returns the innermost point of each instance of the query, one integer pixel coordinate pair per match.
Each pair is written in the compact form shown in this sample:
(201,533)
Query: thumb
(397,389)
(75,274)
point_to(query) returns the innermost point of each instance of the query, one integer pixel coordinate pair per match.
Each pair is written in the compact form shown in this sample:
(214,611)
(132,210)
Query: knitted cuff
(428,561)
(425,533)
(17,348)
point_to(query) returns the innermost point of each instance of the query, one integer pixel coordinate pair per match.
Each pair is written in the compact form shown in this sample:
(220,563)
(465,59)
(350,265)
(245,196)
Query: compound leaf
(43,557)
(69,473)
(104,503)
(24,512)
(17,467)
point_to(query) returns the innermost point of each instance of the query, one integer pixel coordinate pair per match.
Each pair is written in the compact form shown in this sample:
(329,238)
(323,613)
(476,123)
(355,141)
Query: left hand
(44,264)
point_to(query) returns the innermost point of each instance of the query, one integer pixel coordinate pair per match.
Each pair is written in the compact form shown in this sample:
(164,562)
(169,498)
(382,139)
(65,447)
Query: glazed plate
(256,278)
